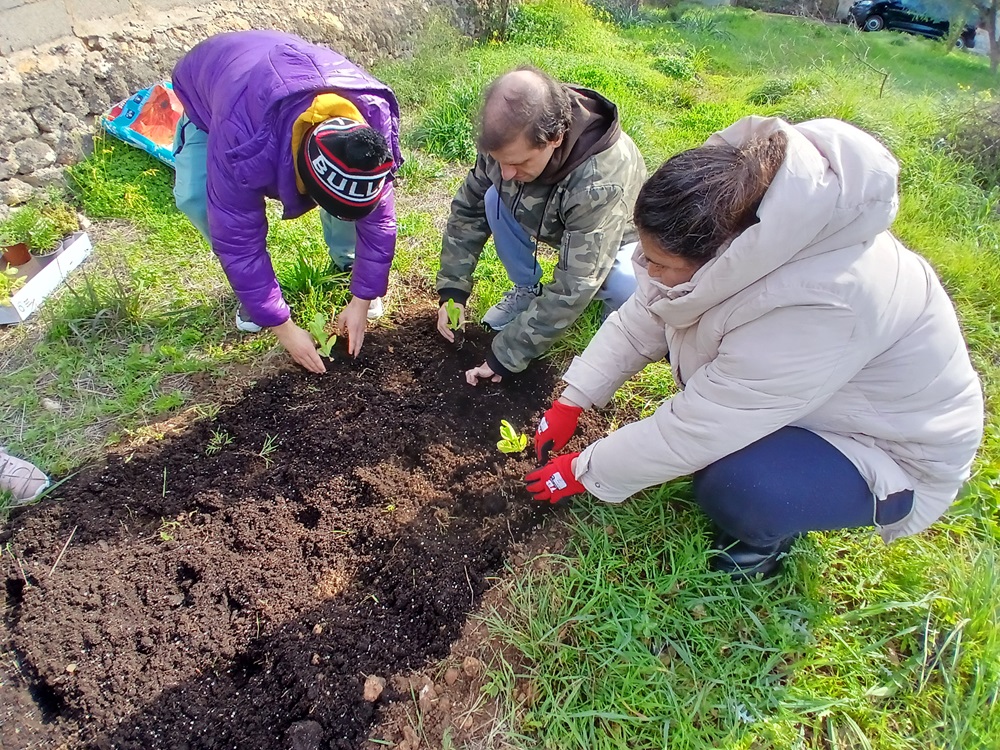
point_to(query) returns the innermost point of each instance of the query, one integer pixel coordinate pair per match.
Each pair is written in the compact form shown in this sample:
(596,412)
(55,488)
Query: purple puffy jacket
(246,89)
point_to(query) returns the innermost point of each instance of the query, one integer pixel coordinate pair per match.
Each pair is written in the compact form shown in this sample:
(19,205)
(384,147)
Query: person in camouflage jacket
(553,166)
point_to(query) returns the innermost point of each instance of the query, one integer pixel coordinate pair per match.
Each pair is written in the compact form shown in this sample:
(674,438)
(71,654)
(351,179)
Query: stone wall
(52,93)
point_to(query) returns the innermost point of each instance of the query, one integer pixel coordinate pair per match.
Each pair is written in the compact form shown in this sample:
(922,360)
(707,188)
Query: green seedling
(454,315)
(219,440)
(318,330)
(168,529)
(270,446)
(455,321)
(511,441)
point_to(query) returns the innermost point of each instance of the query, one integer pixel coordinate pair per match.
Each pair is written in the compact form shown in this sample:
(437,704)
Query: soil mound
(236,585)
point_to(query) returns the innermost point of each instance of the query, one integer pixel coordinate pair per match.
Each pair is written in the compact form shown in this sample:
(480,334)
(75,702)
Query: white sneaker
(514,302)
(243,322)
(376,309)
(23,480)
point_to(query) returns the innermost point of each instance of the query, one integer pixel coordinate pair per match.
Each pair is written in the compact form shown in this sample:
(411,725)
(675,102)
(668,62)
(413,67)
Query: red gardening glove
(555,429)
(555,480)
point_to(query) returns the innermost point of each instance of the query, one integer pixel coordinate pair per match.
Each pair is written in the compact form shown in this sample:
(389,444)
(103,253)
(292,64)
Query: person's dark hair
(538,107)
(701,198)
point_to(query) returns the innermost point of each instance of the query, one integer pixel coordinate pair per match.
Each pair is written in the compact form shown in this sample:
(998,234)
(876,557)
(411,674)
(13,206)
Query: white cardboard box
(42,280)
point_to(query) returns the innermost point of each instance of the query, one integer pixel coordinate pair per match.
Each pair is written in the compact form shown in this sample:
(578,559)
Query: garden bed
(235,584)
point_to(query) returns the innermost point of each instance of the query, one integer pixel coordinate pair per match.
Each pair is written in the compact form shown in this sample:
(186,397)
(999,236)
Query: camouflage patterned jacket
(587,216)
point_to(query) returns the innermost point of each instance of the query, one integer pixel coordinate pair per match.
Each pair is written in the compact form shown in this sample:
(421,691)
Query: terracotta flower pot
(17,255)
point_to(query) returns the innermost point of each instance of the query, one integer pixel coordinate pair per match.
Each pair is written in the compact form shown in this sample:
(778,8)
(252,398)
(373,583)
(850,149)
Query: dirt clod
(374,685)
(411,741)
(472,667)
(304,735)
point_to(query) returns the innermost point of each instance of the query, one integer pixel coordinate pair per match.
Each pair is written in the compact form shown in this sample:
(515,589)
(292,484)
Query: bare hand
(352,322)
(484,371)
(443,328)
(300,345)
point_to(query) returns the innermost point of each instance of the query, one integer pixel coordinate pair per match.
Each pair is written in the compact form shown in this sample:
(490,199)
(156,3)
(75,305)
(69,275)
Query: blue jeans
(788,483)
(191,193)
(516,251)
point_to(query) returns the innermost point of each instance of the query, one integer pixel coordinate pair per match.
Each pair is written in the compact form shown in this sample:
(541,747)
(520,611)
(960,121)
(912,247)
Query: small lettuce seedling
(511,441)
(454,313)
(318,330)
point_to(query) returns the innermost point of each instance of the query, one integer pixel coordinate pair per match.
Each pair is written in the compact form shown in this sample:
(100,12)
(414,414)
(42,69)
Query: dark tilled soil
(234,585)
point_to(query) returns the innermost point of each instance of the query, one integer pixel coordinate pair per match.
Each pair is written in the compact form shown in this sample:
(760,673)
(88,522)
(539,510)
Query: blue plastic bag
(147,120)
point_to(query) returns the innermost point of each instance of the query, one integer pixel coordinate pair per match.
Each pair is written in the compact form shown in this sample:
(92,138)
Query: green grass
(624,640)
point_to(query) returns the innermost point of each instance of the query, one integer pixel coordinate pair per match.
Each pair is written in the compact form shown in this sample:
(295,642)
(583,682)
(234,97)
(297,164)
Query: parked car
(876,15)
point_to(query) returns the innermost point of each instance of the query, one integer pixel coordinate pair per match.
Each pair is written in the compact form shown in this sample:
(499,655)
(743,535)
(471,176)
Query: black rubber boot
(744,562)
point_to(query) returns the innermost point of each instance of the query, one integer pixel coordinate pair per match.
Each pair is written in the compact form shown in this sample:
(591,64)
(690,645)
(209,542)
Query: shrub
(45,236)
(702,21)
(561,24)
(622,13)
(447,129)
(674,66)
(973,135)
(771,91)
(62,216)
(16,228)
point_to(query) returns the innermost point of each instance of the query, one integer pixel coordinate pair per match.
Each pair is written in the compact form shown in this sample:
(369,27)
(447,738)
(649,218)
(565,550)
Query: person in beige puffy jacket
(824,382)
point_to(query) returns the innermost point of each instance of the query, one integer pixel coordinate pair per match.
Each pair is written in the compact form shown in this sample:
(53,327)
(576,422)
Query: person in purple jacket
(267,114)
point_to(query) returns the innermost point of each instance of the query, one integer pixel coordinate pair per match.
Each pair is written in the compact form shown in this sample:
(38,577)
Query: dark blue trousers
(788,483)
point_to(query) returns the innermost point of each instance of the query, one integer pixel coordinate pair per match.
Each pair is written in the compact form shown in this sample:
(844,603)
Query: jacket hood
(837,187)
(287,77)
(594,127)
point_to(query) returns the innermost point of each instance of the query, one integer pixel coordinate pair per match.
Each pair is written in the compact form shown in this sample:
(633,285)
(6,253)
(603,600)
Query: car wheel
(874,23)
(960,43)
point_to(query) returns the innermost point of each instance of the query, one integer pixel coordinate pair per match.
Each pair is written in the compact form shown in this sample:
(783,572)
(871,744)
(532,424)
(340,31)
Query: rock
(11,85)
(71,668)
(51,405)
(67,144)
(14,192)
(8,162)
(451,676)
(411,741)
(42,89)
(472,667)
(317,629)
(15,125)
(45,177)
(427,698)
(33,155)
(374,685)
(96,42)
(50,119)
(304,735)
